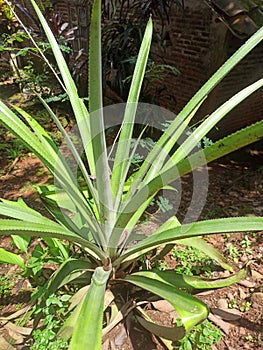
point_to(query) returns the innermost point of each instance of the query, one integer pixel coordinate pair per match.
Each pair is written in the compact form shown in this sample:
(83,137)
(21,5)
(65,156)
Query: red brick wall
(188,35)
(245,73)
(200,43)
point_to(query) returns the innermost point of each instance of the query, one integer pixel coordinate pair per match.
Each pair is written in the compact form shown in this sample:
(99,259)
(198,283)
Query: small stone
(242,294)
(242,331)
(256,275)
(222,303)
(257,298)
(230,296)
(247,283)
(244,258)
(163,306)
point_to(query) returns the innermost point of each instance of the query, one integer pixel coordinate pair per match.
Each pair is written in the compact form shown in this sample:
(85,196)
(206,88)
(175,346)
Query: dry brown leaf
(109,297)
(16,332)
(121,336)
(4,345)
(106,344)
(17,313)
(124,311)
(163,306)
(225,327)
(16,337)
(227,314)
(18,329)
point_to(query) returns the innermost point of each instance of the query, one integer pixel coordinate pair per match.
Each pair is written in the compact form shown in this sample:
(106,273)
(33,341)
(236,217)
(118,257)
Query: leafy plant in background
(121,36)
(121,42)
(6,16)
(6,285)
(33,72)
(8,28)
(12,148)
(105,208)
(146,8)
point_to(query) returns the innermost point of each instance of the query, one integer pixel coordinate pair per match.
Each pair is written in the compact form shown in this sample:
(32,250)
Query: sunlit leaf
(11,258)
(191,311)
(91,314)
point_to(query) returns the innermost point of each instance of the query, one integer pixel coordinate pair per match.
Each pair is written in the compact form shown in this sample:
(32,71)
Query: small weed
(18,306)
(41,172)
(53,313)
(35,265)
(245,306)
(232,304)
(12,148)
(245,210)
(232,251)
(24,319)
(6,284)
(161,265)
(28,187)
(246,244)
(249,337)
(202,337)
(191,261)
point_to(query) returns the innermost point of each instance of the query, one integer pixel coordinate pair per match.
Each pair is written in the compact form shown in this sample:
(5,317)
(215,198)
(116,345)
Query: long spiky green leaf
(35,229)
(102,170)
(123,149)
(226,225)
(80,111)
(91,315)
(191,311)
(55,162)
(73,150)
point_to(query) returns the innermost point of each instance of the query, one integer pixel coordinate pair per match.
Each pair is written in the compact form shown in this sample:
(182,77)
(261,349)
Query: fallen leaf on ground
(225,327)
(227,314)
